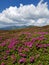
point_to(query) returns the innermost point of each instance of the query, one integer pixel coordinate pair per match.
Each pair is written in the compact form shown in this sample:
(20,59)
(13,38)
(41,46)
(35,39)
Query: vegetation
(28,46)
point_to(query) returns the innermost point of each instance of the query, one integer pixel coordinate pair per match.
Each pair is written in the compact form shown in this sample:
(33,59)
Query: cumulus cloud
(26,15)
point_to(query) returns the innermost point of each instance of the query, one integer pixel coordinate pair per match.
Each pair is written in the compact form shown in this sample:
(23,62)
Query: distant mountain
(13,27)
(21,27)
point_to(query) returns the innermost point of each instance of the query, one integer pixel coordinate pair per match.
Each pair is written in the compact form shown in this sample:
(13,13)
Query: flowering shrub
(2,63)
(22,60)
(32,59)
(26,48)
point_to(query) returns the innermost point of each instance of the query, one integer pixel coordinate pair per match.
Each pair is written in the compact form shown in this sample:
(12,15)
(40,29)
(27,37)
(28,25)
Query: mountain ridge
(21,27)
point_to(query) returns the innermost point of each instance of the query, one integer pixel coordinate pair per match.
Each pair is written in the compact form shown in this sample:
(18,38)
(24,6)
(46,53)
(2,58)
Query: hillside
(25,46)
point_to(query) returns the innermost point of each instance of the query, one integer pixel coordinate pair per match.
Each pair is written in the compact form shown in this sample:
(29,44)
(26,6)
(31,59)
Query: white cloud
(26,15)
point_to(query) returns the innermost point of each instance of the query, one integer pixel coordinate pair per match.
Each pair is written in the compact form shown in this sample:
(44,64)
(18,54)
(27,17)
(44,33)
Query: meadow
(28,46)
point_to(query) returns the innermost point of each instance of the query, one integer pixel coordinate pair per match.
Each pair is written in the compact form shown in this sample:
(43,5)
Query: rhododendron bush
(24,47)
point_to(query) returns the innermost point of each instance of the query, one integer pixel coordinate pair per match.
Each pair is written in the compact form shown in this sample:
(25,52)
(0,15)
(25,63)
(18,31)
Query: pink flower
(42,33)
(23,55)
(26,49)
(40,38)
(13,42)
(5,57)
(44,45)
(33,40)
(29,44)
(7,51)
(3,44)
(0,58)
(32,59)
(13,58)
(39,45)
(2,63)
(22,60)
(20,49)
(14,49)
(48,45)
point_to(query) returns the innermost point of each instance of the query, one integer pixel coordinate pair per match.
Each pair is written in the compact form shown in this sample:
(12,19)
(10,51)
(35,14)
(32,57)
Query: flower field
(28,46)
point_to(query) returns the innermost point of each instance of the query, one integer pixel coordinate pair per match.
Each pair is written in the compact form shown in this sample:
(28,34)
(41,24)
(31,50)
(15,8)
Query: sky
(24,12)
(7,3)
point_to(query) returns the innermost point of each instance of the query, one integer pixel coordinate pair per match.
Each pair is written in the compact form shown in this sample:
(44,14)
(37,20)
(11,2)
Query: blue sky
(24,12)
(7,3)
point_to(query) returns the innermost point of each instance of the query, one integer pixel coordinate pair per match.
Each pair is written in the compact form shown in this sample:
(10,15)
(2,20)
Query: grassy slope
(43,53)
